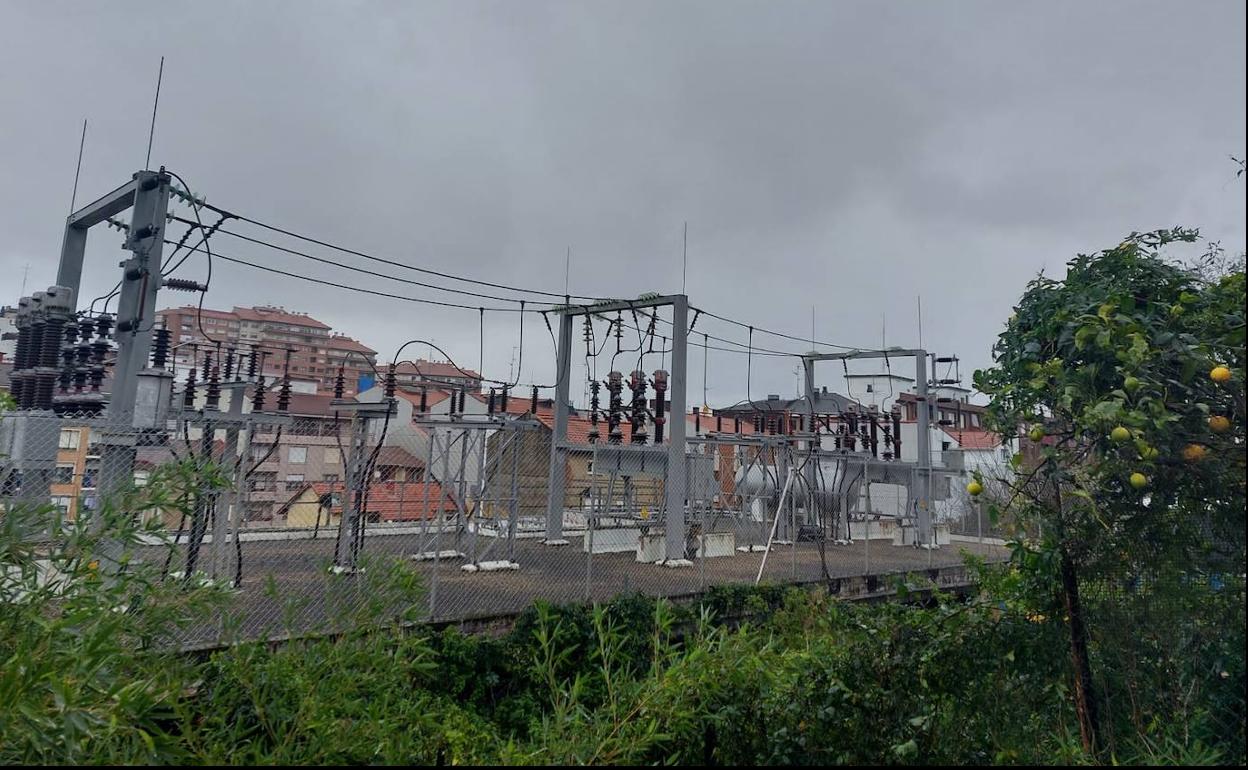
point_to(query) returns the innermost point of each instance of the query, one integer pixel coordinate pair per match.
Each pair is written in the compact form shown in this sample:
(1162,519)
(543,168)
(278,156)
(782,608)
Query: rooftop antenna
(920,300)
(567,270)
(73,199)
(883,331)
(152,133)
(25,272)
(684,259)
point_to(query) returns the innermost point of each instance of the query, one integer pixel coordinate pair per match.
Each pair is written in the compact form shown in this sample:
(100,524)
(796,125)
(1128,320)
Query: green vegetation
(1115,636)
(1138,493)
(790,676)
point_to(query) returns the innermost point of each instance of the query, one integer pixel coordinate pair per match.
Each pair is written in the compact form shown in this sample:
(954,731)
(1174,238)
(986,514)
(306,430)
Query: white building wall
(7,347)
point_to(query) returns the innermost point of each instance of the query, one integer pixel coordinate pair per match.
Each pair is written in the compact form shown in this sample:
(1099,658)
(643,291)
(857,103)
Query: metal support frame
(221,555)
(674,484)
(924,421)
(473,433)
(147,196)
(218,516)
(347,547)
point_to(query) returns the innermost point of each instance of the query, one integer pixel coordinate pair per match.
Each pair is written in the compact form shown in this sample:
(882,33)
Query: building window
(62,503)
(64,474)
(69,438)
(330,477)
(944,446)
(297,455)
(88,478)
(293,481)
(331,456)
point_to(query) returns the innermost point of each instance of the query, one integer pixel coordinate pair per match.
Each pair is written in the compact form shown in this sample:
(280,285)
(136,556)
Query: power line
(195,207)
(373,292)
(365,271)
(566,297)
(762,330)
(392,262)
(745,347)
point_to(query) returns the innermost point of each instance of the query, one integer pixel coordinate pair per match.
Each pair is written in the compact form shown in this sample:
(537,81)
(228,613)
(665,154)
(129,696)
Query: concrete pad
(490,566)
(437,555)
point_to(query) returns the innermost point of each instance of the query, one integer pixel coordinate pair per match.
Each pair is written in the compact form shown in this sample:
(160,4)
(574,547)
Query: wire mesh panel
(312,520)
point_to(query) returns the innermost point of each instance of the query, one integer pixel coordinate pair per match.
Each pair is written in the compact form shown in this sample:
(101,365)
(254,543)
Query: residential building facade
(316,353)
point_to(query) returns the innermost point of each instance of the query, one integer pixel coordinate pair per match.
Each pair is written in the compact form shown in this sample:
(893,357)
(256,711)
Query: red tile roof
(579,424)
(278,315)
(343,342)
(308,404)
(432,397)
(390,500)
(708,424)
(424,368)
(397,456)
(973,438)
(191,310)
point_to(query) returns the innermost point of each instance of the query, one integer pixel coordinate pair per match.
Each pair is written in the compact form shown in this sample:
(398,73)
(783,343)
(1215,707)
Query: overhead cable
(383,260)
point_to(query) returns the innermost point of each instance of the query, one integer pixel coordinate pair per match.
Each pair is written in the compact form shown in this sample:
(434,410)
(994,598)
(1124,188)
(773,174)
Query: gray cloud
(848,156)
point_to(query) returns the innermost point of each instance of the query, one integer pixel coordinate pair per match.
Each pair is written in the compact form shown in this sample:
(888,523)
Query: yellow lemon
(1220,374)
(974,488)
(1219,424)
(1120,434)
(1139,480)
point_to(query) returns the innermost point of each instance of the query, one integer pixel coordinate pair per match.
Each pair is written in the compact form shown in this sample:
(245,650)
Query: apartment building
(77,471)
(316,352)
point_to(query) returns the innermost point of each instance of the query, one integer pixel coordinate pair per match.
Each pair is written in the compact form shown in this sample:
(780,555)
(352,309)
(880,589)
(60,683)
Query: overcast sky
(845,156)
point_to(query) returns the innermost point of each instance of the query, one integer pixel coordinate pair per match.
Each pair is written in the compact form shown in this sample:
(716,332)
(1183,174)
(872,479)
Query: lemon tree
(1131,369)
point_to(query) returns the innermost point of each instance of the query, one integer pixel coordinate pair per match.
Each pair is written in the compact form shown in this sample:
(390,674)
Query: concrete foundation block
(651,547)
(716,544)
(615,540)
(491,566)
(906,534)
(437,555)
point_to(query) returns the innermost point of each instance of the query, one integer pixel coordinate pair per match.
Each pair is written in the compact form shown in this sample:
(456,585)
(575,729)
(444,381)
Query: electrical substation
(510,491)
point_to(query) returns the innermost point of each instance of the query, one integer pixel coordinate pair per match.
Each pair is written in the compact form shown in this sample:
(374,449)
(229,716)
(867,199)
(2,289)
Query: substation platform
(304,596)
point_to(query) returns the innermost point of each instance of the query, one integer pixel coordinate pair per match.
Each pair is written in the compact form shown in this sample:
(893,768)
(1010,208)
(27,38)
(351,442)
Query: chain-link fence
(307,516)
